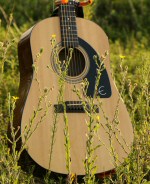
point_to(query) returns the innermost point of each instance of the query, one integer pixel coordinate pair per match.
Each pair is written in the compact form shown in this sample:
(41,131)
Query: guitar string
(72,16)
(70,41)
(65,41)
(71,9)
(79,65)
(69,36)
(71,44)
(73,39)
(73,29)
(76,41)
(64,52)
(67,45)
(77,51)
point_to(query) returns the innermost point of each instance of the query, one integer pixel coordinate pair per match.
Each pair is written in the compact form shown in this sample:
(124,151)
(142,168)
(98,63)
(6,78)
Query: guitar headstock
(62,2)
(77,2)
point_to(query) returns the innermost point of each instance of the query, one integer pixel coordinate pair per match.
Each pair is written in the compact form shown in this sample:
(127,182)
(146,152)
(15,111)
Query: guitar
(40,114)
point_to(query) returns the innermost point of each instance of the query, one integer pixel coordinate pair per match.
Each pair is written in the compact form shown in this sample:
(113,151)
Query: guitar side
(32,86)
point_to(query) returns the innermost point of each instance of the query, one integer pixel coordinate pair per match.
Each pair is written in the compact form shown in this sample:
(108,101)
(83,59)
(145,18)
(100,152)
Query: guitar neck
(68,25)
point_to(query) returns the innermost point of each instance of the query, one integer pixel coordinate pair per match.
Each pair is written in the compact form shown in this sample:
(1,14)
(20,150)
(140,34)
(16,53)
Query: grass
(134,68)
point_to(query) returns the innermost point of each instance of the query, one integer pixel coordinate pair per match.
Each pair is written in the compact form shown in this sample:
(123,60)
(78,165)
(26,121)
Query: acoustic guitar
(39,110)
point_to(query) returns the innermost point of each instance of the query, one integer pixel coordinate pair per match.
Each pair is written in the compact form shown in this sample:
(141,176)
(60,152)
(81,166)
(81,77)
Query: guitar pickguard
(104,87)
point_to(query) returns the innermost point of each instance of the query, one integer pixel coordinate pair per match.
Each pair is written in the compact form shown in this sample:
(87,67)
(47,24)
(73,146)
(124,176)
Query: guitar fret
(72,36)
(64,30)
(69,22)
(68,10)
(70,45)
(70,41)
(68,31)
(67,16)
(74,26)
(66,39)
(69,38)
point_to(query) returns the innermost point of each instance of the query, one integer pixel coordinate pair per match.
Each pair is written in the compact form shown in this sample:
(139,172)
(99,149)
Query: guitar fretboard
(68,25)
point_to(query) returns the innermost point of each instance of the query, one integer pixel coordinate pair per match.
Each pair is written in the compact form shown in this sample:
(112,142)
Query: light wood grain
(39,144)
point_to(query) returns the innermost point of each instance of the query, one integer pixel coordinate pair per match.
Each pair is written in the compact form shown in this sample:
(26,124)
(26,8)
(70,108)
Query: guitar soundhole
(76,63)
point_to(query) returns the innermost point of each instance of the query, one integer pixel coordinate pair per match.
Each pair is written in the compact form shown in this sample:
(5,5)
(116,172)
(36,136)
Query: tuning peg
(64,1)
(84,3)
(58,2)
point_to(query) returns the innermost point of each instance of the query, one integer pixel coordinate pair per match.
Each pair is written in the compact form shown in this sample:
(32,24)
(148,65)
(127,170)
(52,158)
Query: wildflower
(122,57)
(53,40)
(97,118)
(15,98)
(53,36)
(73,176)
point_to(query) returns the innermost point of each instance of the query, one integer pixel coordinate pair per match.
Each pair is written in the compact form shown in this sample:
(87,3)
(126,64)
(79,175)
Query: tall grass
(132,76)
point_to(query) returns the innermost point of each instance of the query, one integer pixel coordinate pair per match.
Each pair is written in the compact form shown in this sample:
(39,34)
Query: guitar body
(37,115)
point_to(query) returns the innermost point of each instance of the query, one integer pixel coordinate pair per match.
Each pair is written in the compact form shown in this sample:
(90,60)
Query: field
(130,67)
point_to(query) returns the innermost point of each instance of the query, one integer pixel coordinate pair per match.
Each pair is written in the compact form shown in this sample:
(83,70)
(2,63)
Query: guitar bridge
(75,107)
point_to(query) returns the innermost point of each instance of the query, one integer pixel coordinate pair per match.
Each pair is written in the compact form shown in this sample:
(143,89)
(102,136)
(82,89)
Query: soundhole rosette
(78,66)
